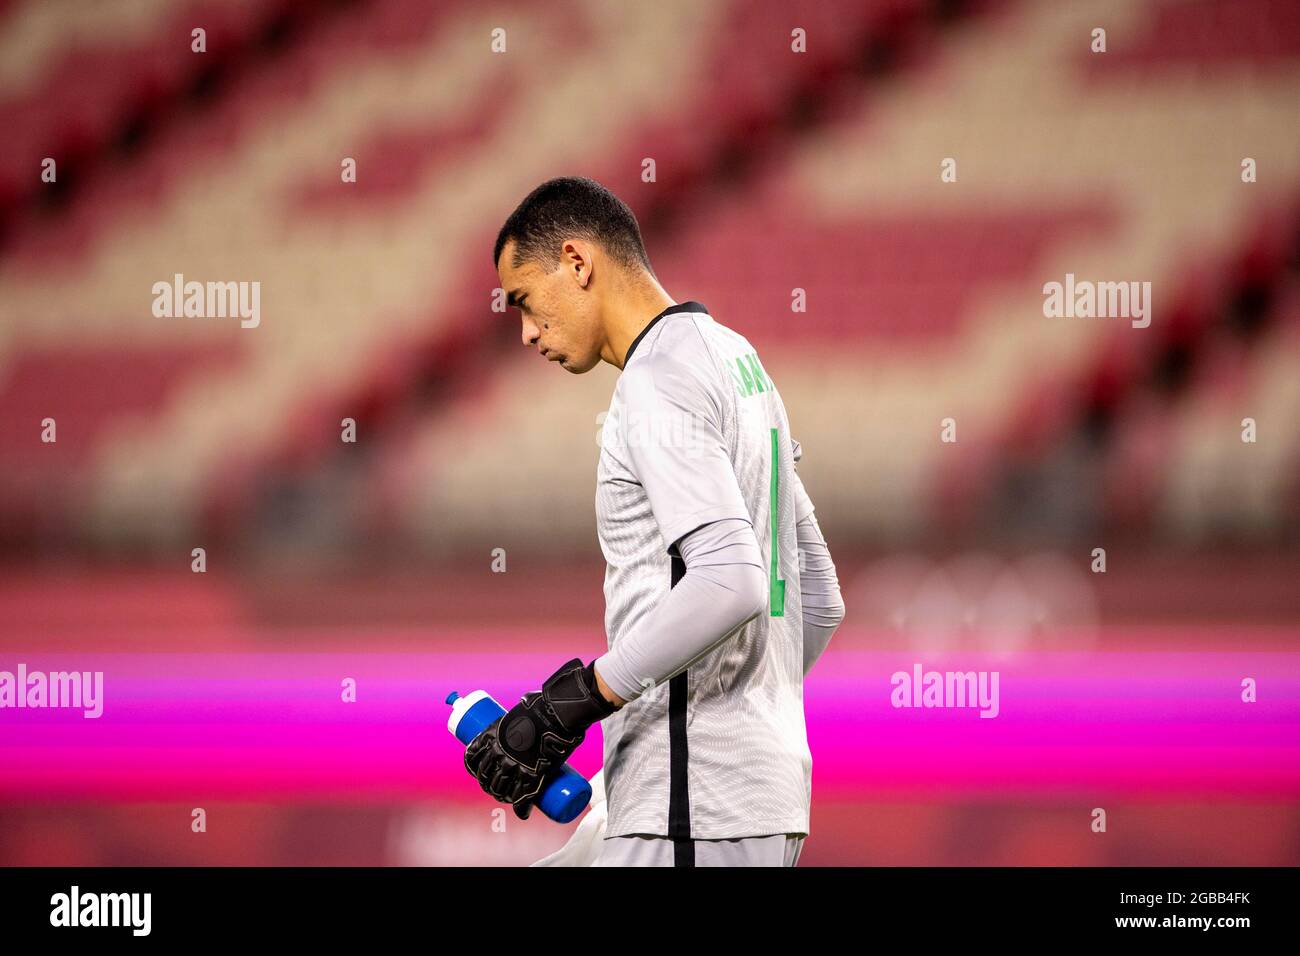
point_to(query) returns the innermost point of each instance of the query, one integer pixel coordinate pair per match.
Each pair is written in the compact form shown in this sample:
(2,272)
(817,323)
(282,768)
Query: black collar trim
(691,306)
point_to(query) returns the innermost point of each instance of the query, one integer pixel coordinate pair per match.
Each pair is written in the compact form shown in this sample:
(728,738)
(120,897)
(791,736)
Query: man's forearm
(725,585)
(819,591)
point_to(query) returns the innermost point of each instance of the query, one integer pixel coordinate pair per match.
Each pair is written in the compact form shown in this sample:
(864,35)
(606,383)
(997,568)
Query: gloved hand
(515,755)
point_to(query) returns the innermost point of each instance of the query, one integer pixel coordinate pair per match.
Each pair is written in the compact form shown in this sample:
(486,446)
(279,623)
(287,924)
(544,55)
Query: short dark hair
(566,207)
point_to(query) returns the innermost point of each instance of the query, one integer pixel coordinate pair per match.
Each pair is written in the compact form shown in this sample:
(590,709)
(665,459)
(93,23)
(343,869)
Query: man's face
(559,317)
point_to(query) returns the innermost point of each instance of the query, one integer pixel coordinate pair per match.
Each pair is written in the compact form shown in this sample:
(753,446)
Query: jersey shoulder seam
(713,357)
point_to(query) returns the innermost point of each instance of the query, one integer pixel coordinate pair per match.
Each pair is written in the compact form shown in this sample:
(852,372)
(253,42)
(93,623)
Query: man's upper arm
(672,431)
(803,505)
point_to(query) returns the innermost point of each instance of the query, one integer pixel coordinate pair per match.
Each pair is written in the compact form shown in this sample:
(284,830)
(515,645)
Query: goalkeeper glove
(513,757)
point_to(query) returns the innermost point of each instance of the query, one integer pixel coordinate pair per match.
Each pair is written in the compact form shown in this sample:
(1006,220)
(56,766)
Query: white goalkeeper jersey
(696,432)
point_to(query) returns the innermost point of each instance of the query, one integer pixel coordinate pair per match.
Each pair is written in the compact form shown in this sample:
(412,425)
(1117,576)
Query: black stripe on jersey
(691,306)
(679,803)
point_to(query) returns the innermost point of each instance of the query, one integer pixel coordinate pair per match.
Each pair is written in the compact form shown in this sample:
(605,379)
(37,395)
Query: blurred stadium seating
(773,173)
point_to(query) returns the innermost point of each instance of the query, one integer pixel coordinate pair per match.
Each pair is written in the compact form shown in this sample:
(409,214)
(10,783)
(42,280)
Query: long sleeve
(725,585)
(819,587)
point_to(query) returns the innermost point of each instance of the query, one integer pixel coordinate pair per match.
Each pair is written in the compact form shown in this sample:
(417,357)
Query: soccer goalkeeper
(719,583)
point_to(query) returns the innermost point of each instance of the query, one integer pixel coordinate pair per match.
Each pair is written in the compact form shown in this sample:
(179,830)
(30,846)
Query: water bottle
(566,794)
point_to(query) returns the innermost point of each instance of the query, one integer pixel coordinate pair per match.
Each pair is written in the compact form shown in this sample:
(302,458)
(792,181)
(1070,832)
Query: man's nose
(531,333)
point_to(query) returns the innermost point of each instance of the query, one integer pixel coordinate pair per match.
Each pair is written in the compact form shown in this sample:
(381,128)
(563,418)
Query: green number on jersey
(777,585)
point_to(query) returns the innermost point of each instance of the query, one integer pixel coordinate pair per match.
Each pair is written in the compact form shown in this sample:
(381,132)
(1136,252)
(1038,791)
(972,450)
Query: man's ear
(577,256)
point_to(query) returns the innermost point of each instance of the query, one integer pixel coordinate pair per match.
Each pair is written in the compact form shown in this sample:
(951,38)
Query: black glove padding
(515,755)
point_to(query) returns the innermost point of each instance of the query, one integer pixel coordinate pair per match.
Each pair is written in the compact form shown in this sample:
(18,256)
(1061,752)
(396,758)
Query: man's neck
(628,317)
